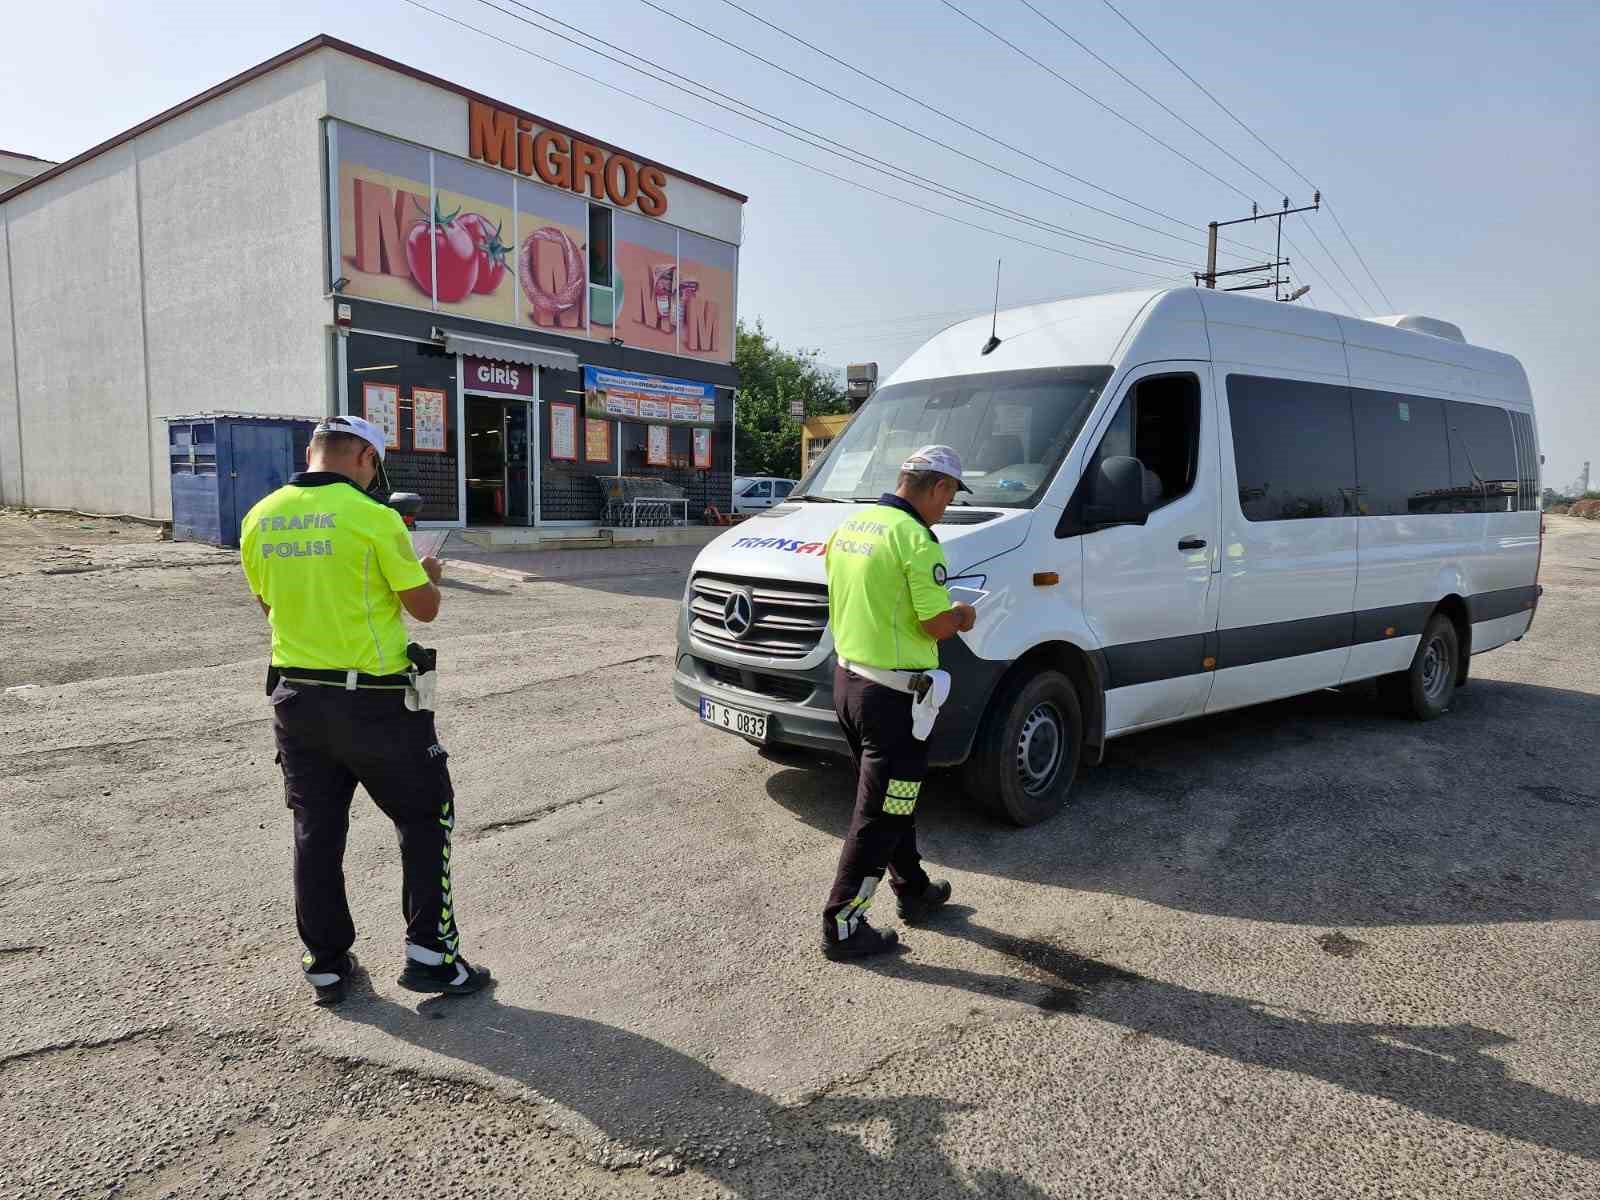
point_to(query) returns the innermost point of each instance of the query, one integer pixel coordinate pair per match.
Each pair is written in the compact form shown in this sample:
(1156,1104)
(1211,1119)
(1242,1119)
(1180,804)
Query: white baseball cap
(937,458)
(359,426)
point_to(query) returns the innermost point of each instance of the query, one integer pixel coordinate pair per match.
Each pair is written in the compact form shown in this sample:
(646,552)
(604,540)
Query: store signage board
(498,378)
(503,139)
(564,432)
(657,451)
(630,396)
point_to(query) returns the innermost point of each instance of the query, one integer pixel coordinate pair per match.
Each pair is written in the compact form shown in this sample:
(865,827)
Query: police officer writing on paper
(889,609)
(352,702)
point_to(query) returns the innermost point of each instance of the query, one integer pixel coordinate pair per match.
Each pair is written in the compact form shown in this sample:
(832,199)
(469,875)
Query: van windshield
(1011,429)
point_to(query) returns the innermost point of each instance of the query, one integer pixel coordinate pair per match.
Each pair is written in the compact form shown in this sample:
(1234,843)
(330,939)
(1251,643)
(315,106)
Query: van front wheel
(1028,749)
(1425,689)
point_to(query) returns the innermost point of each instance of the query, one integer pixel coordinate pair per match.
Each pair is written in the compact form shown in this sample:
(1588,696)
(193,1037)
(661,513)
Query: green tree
(769,378)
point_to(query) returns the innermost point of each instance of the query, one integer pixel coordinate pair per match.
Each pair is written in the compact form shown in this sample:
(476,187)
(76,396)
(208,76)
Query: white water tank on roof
(1431,326)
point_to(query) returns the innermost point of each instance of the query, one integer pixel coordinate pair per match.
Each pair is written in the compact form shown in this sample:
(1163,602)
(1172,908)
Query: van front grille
(787,618)
(776,687)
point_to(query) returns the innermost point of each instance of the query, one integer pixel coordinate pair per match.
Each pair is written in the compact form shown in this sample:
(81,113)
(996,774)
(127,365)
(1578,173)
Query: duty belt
(349,680)
(913,683)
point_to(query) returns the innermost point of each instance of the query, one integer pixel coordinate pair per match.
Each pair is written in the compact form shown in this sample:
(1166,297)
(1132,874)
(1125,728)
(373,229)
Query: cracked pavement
(1297,950)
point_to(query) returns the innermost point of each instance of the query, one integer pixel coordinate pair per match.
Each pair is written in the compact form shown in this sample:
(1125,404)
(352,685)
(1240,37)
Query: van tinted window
(1294,448)
(1402,460)
(1484,475)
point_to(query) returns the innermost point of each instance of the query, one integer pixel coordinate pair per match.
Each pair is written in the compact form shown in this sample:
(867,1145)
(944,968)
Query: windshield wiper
(814,500)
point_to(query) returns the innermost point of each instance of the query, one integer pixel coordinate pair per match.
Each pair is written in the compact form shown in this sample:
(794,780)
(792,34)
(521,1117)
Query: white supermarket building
(528,310)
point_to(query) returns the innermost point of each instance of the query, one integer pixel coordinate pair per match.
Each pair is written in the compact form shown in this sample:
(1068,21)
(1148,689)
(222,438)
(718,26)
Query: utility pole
(1210,275)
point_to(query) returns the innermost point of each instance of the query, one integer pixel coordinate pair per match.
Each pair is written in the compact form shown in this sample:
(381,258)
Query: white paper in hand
(428,542)
(966,595)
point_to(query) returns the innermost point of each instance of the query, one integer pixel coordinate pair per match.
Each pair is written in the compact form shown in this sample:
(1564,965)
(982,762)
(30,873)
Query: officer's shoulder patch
(939,574)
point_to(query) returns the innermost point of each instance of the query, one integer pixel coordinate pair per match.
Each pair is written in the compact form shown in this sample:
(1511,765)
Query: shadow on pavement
(653,1100)
(1439,1070)
(1317,810)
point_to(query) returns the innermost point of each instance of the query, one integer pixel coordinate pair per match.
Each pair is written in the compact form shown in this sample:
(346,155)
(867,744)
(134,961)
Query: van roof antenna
(994,340)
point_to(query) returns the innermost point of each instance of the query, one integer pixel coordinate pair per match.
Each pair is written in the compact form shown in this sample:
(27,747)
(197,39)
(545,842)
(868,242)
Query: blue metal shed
(222,463)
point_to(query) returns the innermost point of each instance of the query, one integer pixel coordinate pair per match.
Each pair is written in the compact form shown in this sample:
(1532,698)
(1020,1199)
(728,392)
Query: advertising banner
(631,396)
(429,230)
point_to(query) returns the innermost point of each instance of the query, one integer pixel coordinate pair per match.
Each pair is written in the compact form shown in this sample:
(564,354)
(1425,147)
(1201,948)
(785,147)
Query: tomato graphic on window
(445,241)
(491,252)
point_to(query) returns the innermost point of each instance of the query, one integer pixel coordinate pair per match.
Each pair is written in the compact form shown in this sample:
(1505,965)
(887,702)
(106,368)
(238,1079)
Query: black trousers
(329,740)
(890,768)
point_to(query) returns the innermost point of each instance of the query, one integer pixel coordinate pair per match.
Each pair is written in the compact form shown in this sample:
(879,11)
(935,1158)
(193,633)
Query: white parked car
(1183,502)
(752,493)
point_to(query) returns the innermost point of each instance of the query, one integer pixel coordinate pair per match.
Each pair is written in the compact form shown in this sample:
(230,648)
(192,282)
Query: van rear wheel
(1424,689)
(1028,750)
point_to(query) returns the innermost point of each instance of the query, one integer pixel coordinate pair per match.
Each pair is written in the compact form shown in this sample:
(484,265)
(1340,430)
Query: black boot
(865,941)
(333,986)
(456,977)
(915,908)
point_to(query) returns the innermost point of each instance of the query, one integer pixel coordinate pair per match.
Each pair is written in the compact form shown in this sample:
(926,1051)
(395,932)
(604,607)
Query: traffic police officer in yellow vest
(889,609)
(352,702)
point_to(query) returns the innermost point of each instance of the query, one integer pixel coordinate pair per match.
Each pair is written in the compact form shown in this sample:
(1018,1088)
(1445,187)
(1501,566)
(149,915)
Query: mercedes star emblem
(738,614)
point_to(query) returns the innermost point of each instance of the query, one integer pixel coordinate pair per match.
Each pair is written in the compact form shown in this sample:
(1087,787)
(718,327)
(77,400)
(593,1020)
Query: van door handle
(1191,543)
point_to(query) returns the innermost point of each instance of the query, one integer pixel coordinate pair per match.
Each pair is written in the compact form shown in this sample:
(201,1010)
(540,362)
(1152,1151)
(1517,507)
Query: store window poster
(658,446)
(380,404)
(474,231)
(428,420)
(705,288)
(564,432)
(702,449)
(596,440)
(646,257)
(551,260)
(384,212)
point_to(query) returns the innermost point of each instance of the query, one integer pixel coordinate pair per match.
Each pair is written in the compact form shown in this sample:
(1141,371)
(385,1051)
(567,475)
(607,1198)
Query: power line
(985,134)
(1311,229)
(1129,121)
(851,154)
(1246,167)
(1007,42)
(614,88)
(1262,141)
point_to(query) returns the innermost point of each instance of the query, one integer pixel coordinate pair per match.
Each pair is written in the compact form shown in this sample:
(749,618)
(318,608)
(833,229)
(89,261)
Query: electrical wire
(1129,121)
(618,90)
(983,133)
(1262,141)
(851,154)
(1244,166)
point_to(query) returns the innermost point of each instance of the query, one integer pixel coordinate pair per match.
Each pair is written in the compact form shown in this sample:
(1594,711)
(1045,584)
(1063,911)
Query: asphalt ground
(1299,950)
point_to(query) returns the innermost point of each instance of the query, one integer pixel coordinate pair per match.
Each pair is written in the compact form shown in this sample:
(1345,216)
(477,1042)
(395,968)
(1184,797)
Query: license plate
(750,725)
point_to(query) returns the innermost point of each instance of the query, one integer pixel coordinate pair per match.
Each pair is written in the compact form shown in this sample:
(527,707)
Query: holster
(424,678)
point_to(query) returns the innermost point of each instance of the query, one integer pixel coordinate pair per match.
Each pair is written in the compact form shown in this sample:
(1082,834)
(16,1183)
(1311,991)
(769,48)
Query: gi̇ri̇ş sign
(630,396)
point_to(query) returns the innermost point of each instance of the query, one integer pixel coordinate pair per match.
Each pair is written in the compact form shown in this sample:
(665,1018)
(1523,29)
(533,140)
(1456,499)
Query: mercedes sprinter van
(1182,502)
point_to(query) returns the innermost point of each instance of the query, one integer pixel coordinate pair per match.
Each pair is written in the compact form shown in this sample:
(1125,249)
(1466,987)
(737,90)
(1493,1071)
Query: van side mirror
(1115,494)
(407,504)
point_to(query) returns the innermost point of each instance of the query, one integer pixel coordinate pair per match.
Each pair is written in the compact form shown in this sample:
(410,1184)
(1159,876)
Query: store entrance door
(499,462)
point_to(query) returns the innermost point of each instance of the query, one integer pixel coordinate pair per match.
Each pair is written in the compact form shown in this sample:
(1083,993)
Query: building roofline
(30,157)
(324,41)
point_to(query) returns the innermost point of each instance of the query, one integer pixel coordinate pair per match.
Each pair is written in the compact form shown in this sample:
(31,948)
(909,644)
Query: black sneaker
(863,942)
(458,978)
(333,986)
(918,908)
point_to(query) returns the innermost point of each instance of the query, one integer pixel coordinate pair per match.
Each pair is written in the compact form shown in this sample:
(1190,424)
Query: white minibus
(1182,502)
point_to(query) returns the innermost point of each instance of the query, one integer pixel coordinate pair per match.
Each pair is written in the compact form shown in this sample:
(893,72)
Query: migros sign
(514,143)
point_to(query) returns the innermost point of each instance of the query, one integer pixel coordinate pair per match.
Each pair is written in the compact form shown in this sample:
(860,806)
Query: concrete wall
(179,272)
(10,444)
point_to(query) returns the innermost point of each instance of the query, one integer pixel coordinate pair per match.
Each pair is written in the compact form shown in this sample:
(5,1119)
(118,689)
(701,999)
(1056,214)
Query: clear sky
(1457,142)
